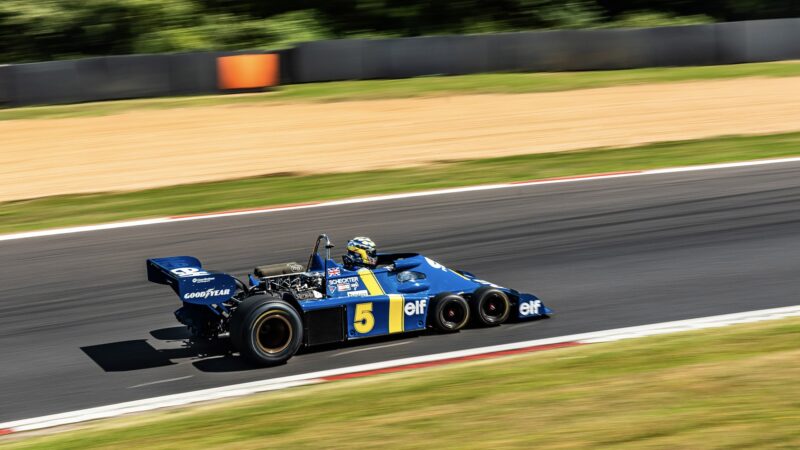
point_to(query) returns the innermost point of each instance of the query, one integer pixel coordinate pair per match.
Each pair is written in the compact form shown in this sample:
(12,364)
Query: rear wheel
(450,312)
(266,330)
(490,306)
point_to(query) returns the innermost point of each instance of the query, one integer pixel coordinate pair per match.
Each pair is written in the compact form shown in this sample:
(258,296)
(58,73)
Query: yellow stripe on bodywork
(396,317)
(369,280)
(462,276)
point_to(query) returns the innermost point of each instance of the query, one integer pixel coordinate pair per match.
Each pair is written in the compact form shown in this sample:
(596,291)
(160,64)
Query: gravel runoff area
(145,149)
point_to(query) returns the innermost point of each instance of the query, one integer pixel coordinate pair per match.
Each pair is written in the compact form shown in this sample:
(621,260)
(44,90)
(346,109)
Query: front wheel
(267,331)
(490,306)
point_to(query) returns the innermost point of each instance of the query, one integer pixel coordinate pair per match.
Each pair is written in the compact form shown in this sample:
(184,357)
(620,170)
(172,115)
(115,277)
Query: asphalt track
(81,327)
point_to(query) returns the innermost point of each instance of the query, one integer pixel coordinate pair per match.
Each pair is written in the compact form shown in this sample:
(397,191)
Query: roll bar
(328,247)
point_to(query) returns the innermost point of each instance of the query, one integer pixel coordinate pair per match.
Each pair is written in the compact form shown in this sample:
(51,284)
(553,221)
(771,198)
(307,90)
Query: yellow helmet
(361,252)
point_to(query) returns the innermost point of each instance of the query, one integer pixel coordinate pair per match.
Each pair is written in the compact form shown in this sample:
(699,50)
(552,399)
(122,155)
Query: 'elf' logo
(530,308)
(416,308)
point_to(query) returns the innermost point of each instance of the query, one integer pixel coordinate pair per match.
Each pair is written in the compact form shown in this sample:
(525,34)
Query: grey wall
(45,82)
(119,77)
(110,78)
(5,85)
(193,73)
(562,50)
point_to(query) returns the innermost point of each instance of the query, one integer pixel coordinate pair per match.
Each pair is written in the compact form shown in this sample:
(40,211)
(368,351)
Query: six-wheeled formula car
(286,306)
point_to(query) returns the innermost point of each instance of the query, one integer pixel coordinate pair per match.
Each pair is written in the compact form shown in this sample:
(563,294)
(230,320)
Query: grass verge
(71,210)
(503,83)
(733,387)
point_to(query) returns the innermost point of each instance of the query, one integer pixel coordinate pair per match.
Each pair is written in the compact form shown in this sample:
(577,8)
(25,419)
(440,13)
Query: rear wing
(193,284)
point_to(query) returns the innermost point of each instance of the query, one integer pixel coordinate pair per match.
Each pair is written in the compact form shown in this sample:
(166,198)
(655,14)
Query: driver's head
(361,252)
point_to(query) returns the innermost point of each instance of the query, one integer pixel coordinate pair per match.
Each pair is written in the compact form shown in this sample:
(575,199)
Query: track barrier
(138,76)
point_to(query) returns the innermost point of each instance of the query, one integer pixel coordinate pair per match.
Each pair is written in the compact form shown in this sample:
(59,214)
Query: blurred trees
(720,10)
(53,29)
(50,29)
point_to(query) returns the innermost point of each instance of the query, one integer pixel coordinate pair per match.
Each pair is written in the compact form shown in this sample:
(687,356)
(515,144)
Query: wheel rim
(273,332)
(494,307)
(453,314)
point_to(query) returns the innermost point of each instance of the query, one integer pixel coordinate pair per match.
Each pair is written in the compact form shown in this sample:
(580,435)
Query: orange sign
(247,71)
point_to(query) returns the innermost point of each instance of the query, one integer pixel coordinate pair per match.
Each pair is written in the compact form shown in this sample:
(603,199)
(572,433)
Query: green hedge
(36,30)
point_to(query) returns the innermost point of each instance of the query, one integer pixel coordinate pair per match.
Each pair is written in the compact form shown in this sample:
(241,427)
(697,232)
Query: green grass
(506,83)
(733,387)
(72,210)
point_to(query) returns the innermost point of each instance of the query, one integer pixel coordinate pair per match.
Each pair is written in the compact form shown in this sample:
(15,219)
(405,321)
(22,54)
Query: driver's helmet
(361,252)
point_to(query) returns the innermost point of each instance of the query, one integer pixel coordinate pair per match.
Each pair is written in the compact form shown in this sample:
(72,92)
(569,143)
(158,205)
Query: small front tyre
(490,306)
(268,331)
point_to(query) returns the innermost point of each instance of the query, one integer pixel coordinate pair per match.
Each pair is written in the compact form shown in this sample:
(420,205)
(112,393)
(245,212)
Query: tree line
(37,30)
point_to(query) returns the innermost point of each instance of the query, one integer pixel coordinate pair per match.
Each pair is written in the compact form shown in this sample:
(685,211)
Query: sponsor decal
(294,267)
(344,284)
(415,308)
(435,264)
(334,272)
(363,293)
(188,272)
(530,308)
(202,280)
(207,293)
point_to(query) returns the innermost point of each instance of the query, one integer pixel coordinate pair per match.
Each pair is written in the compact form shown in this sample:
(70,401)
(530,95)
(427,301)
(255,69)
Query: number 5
(363,320)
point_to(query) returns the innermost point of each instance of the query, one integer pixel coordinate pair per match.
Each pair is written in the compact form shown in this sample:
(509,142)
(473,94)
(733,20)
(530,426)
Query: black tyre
(236,323)
(266,330)
(490,306)
(450,312)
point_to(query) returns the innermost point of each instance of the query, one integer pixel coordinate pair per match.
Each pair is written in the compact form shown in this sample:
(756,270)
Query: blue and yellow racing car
(286,306)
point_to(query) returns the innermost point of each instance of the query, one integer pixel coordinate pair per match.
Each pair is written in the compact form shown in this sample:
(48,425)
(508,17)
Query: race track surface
(80,326)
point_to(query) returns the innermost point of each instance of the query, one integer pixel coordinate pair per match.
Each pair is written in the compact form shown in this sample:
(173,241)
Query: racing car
(284,307)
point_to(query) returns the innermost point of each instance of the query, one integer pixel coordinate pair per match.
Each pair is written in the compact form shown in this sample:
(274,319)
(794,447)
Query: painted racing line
(377,198)
(397,365)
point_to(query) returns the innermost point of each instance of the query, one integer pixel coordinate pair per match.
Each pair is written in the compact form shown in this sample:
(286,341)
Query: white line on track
(159,382)
(356,350)
(377,198)
(319,377)
(238,390)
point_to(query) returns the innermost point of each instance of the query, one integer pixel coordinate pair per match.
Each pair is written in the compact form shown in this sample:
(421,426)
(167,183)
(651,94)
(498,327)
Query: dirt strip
(145,149)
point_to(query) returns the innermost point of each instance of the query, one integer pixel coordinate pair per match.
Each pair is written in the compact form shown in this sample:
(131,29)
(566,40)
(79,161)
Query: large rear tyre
(490,306)
(450,312)
(236,323)
(266,330)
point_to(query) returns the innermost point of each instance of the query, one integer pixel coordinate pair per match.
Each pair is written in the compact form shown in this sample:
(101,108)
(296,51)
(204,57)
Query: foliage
(47,29)
(644,19)
(229,32)
(32,30)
